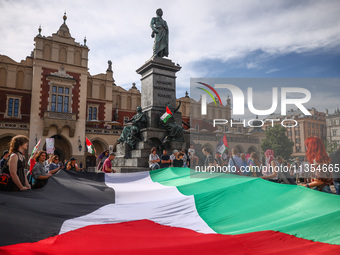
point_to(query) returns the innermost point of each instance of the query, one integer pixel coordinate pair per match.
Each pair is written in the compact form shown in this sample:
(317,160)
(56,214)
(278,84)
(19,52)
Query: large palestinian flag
(168,211)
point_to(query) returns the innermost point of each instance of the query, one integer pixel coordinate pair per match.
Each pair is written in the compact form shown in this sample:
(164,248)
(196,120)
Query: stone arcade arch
(4,142)
(63,147)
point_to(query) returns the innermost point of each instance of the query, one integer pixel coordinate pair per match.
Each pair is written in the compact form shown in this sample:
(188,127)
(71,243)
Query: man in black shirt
(165,159)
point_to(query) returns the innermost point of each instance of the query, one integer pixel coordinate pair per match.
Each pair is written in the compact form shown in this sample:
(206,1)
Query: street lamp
(79,144)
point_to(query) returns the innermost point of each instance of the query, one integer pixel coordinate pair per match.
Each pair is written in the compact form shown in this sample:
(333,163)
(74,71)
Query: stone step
(131,169)
(131,162)
(142,146)
(140,153)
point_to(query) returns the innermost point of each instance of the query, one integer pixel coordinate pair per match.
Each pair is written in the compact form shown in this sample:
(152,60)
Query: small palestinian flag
(222,145)
(35,149)
(167,115)
(89,145)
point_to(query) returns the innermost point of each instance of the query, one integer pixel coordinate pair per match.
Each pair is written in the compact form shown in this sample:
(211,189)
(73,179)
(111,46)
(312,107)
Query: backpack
(6,182)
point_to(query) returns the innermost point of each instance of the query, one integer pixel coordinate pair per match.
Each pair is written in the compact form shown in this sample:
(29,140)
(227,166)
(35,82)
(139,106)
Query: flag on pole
(89,145)
(222,145)
(167,115)
(34,151)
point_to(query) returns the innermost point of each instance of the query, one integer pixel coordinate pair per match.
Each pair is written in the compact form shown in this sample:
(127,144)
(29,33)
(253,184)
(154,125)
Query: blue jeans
(155,166)
(337,188)
(325,189)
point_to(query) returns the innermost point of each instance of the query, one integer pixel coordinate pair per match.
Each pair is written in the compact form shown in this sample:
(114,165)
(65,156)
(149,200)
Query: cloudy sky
(238,39)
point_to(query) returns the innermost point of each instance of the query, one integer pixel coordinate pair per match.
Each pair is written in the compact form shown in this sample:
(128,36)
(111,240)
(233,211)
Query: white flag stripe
(138,198)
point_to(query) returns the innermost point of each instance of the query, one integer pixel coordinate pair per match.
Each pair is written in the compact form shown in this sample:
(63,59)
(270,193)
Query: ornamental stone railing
(60,120)
(60,115)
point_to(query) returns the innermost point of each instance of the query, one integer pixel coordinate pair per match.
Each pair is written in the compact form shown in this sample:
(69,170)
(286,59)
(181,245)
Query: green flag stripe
(232,204)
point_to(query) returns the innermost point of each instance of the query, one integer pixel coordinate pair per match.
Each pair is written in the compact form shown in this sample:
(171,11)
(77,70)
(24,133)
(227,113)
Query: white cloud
(199,30)
(272,70)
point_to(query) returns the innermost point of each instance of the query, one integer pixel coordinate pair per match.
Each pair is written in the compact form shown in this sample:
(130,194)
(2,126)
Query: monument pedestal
(136,160)
(158,88)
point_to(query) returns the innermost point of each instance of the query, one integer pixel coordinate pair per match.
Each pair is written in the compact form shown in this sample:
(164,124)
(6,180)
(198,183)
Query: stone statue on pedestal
(160,32)
(130,133)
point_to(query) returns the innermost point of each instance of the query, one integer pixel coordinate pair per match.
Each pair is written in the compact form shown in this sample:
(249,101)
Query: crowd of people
(15,177)
(317,170)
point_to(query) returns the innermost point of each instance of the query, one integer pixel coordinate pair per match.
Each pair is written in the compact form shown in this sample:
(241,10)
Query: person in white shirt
(154,159)
(192,156)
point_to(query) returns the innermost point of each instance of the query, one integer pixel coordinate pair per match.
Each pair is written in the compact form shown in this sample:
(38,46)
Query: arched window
(47,52)
(102,91)
(20,80)
(3,77)
(77,58)
(62,55)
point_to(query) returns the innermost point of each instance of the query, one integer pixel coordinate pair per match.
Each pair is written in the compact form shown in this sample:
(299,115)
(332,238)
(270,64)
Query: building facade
(51,94)
(333,128)
(307,126)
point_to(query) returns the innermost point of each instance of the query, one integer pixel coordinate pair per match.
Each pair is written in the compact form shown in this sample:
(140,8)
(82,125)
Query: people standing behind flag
(173,155)
(107,166)
(16,163)
(192,156)
(72,165)
(209,160)
(165,159)
(235,162)
(178,161)
(101,158)
(3,160)
(218,159)
(245,166)
(317,155)
(55,164)
(185,158)
(254,165)
(154,159)
(335,157)
(270,172)
(304,170)
(39,174)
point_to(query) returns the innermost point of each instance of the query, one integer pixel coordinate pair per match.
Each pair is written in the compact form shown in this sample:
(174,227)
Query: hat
(175,151)
(72,158)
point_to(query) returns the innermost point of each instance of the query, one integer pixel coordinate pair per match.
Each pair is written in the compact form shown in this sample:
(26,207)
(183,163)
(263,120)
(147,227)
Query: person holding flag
(31,160)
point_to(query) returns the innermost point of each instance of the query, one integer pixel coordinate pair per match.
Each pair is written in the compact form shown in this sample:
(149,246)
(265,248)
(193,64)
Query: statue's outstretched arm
(179,105)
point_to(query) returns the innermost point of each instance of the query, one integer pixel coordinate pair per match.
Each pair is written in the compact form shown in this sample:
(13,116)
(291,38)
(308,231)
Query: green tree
(277,140)
(330,146)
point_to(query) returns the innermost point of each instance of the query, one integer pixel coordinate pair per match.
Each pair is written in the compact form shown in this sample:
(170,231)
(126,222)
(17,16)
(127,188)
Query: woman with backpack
(16,164)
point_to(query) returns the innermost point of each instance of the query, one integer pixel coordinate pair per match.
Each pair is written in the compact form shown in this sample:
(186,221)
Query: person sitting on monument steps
(165,159)
(129,134)
(154,159)
(178,161)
